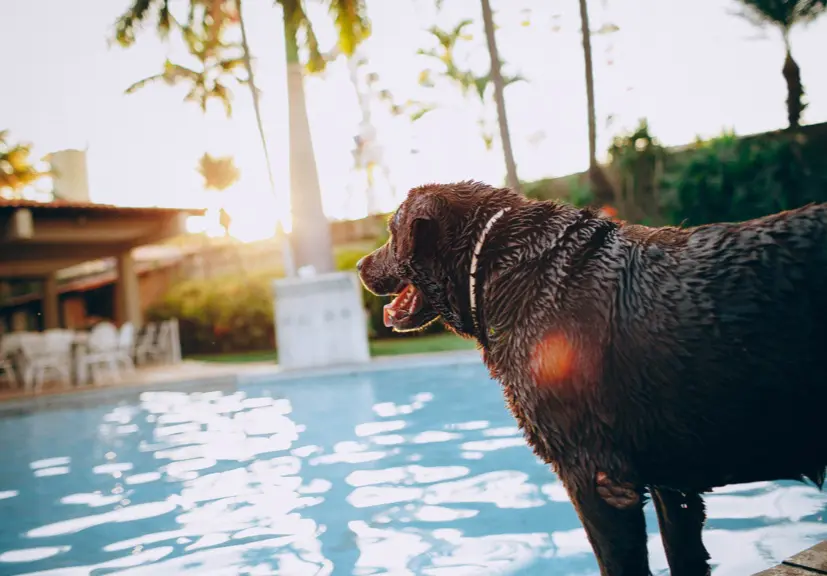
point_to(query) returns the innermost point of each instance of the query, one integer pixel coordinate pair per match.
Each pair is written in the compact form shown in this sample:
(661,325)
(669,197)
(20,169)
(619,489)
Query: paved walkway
(187,370)
(198,372)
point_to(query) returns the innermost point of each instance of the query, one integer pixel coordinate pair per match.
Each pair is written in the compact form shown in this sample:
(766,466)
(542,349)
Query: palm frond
(316,61)
(137,15)
(222,94)
(420,113)
(508,80)
(457,32)
(782,13)
(352,23)
(145,82)
(126,24)
(164,19)
(16,169)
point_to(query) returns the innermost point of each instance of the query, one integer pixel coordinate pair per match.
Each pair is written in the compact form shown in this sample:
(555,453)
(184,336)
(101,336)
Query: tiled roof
(70,205)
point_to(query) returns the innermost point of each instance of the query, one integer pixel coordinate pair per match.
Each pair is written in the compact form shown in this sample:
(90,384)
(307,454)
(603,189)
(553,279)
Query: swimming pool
(414,471)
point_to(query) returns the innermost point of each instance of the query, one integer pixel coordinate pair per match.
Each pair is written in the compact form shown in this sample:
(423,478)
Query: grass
(388,347)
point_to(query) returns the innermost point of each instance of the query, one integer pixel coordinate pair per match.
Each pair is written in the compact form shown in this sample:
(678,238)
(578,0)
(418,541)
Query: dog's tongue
(403,306)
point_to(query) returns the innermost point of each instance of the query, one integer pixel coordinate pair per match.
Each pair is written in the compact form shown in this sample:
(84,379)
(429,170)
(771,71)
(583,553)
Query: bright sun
(254,216)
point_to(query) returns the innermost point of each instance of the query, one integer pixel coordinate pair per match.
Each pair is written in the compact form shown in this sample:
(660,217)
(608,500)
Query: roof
(71,205)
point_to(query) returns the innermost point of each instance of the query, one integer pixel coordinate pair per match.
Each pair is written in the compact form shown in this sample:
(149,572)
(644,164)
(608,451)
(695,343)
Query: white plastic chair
(145,343)
(45,353)
(152,344)
(102,352)
(8,349)
(126,346)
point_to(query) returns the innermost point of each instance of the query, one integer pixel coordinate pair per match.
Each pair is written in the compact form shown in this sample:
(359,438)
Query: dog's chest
(548,399)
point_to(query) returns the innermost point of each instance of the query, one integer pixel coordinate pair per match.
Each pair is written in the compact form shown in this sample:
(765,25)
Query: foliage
(574,189)
(138,13)
(628,148)
(235,313)
(218,63)
(350,19)
(227,314)
(219,173)
(636,157)
(782,13)
(443,56)
(730,179)
(16,168)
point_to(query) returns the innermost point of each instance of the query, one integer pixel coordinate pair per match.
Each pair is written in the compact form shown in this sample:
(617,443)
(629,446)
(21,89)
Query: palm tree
(368,154)
(601,188)
(312,243)
(16,168)
(467,82)
(784,14)
(499,88)
(311,231)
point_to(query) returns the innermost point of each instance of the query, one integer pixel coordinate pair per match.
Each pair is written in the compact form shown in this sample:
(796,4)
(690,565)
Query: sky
(691,67)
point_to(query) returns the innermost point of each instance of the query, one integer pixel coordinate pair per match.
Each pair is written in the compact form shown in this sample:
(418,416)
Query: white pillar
(127,295)
(320,321)
(51,302)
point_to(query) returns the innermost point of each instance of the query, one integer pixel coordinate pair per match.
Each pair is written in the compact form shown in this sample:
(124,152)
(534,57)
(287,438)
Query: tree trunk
(795,90)
(601,188)
(248,64)
(499,97)
(311,239)
(587,55)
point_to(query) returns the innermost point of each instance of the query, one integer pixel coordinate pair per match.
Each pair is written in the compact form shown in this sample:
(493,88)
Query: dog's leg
(617,533)
(681,518)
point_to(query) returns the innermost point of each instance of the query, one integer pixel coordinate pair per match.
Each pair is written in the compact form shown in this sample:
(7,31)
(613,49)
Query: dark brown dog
(636,360)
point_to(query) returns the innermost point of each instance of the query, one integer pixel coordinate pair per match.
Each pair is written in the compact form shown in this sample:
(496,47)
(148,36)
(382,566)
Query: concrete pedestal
(320,321)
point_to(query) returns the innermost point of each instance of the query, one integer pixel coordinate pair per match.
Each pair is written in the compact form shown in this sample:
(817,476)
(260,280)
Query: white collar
(472,280)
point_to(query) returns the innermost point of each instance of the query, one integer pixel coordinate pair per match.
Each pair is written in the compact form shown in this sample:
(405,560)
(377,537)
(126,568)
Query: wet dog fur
(637,361)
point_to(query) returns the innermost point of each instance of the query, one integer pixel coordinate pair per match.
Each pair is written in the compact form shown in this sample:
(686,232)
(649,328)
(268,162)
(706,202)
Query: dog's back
(718,336)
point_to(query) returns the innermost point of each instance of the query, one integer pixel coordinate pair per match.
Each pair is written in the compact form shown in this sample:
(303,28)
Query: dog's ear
(417,227)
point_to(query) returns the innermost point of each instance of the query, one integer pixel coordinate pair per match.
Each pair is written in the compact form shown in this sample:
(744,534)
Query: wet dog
(637,361)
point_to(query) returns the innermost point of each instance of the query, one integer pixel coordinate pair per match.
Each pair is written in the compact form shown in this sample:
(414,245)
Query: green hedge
(730,179)
(235,313)
(229,314)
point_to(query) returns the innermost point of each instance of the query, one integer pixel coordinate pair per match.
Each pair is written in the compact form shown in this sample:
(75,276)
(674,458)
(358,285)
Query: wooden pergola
(38,239)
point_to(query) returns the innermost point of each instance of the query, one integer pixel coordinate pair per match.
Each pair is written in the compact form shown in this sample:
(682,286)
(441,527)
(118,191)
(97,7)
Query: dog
(639,362)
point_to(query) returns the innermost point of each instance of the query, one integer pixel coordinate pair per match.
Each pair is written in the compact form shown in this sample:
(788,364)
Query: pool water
(417,471)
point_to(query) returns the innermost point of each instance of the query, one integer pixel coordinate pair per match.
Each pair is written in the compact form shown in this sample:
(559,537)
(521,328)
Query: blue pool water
(408,472)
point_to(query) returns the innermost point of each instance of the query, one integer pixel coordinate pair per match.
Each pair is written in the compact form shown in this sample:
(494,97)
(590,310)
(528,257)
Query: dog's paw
(620,495)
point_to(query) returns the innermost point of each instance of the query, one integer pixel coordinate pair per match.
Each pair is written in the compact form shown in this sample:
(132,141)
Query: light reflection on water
(417,472)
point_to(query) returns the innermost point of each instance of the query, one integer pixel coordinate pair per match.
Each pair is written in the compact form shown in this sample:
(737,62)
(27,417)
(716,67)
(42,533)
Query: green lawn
(388,347)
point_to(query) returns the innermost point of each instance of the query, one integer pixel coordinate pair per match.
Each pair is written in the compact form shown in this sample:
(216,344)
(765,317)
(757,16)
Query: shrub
(730,179)
(226,314)
(574,189)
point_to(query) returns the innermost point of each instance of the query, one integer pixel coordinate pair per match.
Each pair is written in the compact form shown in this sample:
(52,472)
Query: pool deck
(191,374)
(806,563)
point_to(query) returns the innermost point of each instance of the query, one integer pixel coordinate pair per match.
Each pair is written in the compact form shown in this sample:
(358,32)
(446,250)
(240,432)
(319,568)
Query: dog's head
(426,260)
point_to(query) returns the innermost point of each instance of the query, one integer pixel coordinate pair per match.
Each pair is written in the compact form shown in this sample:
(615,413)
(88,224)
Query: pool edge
(243,376)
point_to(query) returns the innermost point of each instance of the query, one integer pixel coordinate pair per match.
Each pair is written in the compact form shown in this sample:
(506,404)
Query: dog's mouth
(408,311)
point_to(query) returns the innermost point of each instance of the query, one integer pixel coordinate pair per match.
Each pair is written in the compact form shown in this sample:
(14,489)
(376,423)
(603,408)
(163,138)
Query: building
(39,240)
